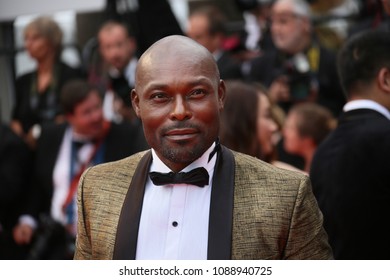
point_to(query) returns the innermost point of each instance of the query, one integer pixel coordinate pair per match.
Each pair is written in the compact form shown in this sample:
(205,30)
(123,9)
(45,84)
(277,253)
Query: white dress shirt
(62,177)
(366,104)
(62,180)
(110,111)
(175,218)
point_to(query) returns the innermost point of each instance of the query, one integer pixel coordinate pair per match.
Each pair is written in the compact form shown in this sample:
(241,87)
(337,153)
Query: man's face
(87,118)
(179,98)
(386,6)
(198,30)
(292,139)
(266,126)
(287,28)
(116,47)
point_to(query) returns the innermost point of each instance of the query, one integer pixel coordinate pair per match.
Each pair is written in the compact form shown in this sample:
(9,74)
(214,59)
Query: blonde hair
(49,29)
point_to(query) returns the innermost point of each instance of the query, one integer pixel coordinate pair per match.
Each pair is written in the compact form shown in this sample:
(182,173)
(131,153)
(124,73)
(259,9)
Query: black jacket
(351,181)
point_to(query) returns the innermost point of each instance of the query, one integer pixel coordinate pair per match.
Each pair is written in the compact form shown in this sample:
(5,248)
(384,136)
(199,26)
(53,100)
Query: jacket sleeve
(307,238)
(83,239)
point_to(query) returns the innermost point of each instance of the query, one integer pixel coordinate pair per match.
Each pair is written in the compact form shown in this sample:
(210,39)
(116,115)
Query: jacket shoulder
(116,168)
(255,169)
(255,178)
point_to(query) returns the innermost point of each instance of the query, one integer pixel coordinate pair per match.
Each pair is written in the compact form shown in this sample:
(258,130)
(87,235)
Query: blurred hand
(17,128)
(23,234)
(31,139)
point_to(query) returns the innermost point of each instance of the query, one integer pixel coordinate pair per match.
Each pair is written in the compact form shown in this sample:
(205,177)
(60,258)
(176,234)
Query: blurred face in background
(386,6)
(266,126)
(287,28)
(115,46)
(37,45)
(198,30)
(292,138)
(87,118)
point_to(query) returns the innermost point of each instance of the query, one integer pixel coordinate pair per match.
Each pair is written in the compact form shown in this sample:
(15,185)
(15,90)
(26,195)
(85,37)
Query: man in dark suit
(15,166)
(206,25)
(299,69)
(211,203)
(63,151)
(350,170)
(114,73)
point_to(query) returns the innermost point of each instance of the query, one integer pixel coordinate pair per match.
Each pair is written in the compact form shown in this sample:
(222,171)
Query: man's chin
(182,155)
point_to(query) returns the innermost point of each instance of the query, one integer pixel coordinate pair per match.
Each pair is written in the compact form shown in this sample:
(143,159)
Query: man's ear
(384,80)
(135,102)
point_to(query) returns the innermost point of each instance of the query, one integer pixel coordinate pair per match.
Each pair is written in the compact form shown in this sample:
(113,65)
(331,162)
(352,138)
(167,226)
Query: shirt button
(174,224)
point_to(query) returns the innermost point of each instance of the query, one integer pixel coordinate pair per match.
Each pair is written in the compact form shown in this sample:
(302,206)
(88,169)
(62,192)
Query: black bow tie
(198,177)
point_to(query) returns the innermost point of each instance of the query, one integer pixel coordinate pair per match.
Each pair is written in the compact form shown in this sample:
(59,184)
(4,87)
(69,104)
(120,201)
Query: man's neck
(203,159)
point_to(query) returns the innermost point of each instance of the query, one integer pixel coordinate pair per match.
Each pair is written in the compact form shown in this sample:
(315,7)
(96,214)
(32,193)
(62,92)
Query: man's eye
(159,96)
(197,93)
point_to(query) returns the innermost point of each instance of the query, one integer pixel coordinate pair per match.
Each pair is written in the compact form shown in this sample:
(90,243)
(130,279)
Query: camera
(302,81)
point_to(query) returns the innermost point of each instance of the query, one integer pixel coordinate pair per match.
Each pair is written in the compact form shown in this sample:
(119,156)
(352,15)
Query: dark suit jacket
(351,181)
(257,211)
(122,140)
(152,21)
(23,111)
(229,68)
(15,167)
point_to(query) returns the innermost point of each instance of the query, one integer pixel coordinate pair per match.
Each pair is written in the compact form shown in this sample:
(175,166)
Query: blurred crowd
(283,98)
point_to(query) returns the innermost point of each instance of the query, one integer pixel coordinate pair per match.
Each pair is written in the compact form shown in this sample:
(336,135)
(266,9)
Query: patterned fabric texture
(275,214)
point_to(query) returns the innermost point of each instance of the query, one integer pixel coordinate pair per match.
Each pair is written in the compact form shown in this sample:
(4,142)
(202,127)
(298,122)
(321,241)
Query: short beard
(183,155)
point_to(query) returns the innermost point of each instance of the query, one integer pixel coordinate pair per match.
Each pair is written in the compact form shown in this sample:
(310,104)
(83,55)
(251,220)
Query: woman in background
(247,123)
(37,92)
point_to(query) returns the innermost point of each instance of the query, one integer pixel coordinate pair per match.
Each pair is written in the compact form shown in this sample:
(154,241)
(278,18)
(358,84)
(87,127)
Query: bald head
(175,45)
(179,49)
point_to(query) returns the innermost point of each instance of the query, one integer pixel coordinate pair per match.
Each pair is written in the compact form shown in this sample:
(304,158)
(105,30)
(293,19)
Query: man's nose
(181,109)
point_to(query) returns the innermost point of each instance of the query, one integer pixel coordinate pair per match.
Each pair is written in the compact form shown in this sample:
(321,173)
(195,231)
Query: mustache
(180,125)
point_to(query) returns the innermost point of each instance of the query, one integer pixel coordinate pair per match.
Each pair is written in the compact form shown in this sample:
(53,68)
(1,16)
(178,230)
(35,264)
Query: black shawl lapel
(221,210)
(221,207)
(128,225)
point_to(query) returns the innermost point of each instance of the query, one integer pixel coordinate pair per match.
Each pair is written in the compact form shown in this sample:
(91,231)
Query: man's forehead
(167,60)
(176,44)
(176,53)
(282,9)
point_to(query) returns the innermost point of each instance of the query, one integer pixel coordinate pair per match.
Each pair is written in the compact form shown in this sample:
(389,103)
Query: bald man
(189,197)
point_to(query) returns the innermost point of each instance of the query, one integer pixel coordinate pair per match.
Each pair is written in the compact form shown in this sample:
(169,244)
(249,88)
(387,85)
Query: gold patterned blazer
(257,211)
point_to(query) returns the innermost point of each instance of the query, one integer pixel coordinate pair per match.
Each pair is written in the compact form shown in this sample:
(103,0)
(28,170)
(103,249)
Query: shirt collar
(217,54)
(366,104)
(128,72)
